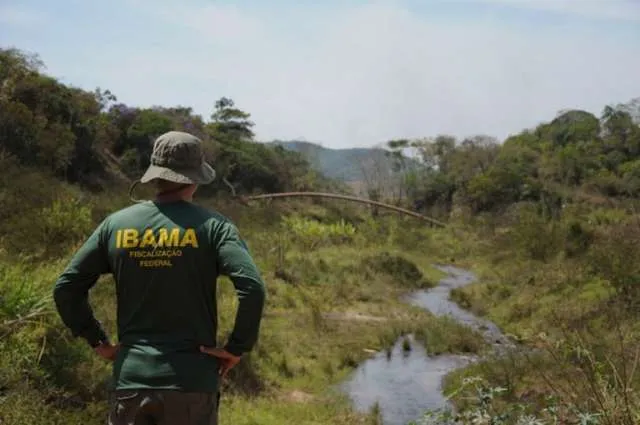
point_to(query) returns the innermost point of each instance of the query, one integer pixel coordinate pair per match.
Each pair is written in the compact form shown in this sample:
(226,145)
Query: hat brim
(204,175)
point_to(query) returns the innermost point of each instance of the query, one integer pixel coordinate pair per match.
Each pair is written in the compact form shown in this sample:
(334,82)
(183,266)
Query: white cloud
(20,16)
(624,10)
(360,75)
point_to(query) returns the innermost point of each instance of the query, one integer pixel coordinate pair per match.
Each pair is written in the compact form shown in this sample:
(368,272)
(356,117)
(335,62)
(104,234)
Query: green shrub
(616,258)
(485,409)
(533,235)
(403,271)
(20,296)
(606,216)
(311,233)
(66,221)
(40,215)
(578,238)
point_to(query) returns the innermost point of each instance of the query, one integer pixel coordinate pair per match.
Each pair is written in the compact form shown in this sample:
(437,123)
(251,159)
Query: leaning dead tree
(245,200)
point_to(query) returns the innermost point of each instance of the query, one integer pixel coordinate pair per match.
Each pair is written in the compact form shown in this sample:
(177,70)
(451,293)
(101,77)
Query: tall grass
(567,290)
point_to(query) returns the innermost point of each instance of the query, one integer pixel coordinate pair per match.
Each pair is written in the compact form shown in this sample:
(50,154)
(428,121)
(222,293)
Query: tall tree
(229,123)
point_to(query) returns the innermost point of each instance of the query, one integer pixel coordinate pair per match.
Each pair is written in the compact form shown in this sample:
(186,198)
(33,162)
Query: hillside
(348,165)
(547,219)
(368,172)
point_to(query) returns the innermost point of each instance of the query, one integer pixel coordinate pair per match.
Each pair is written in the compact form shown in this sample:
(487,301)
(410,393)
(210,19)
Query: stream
(406,384)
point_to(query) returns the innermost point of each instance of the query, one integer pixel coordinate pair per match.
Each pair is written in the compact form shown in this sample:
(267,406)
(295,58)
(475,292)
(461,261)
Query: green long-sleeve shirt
(165,259)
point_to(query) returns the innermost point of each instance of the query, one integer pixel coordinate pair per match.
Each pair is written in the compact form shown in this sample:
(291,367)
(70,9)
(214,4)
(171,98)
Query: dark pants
(163,407)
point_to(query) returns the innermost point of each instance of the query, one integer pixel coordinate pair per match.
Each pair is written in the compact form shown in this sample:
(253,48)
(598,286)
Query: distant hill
(347,165)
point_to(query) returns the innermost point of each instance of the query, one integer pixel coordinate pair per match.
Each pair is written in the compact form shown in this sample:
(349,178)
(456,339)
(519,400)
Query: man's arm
(235,261)
(71,291)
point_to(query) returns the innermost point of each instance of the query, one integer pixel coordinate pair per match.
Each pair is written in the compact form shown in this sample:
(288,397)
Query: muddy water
(405,385)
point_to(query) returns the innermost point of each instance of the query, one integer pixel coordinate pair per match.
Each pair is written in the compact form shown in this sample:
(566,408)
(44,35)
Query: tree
(406,169)
(574,127)
(376,173)
(230,123)
(436,153)
(104,98)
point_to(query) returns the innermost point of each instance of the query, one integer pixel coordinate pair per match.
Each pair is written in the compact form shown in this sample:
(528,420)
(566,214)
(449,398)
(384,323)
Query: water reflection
(407,383)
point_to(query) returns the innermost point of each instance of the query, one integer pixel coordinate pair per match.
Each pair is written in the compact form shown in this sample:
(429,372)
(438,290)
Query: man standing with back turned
(165,256)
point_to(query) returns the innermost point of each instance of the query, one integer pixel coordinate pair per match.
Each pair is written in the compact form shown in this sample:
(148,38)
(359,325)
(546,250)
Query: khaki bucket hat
(179,157)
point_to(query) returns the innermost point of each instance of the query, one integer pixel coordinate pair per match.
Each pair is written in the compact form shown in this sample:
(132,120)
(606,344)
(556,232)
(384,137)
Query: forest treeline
(90,138)
(574,156)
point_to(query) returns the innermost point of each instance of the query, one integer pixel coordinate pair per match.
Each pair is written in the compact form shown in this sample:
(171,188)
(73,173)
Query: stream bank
(405,384)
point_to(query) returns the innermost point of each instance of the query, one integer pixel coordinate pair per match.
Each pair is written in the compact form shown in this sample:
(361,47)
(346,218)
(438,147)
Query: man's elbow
(58,293)
(250,290)
(64,294)
(260,294)
(63,302)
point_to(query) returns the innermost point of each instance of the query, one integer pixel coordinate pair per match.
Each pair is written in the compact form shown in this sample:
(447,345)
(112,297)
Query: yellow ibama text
(176,237)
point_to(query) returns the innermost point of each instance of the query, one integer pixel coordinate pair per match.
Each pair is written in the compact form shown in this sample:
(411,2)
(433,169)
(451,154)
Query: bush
(311,233)
(485,410)
(607,216)
(578,238)
(534,236)
(21,295)
(66,220)
(616,258)
(399,268)
(40,214)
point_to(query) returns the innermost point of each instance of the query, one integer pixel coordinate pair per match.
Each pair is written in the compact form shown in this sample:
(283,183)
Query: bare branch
(347,198)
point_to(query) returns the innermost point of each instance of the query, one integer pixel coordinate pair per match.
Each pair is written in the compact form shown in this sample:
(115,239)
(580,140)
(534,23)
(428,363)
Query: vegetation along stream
(406,383)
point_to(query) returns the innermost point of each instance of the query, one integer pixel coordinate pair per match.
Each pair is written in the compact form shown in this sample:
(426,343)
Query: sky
(344,73)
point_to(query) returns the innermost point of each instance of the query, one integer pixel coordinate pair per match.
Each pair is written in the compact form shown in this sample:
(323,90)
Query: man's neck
(173,197)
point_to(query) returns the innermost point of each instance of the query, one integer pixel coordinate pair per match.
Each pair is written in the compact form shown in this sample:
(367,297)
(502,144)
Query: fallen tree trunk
(245,200)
